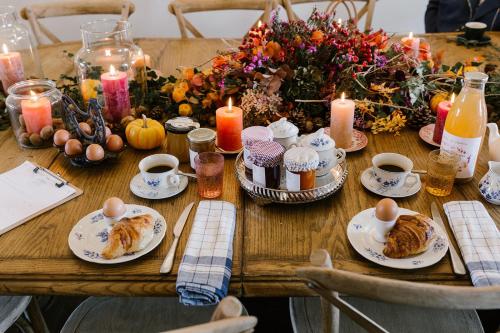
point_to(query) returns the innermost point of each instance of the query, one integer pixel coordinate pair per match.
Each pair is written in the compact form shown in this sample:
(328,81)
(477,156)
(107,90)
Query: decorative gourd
(145,133)
(436,99)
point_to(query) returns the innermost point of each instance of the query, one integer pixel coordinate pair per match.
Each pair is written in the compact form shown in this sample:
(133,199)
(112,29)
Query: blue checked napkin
(478,238)
(205,269)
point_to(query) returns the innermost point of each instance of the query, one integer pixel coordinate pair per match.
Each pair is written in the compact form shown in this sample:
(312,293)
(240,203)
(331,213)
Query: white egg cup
(381,229)
(111,221)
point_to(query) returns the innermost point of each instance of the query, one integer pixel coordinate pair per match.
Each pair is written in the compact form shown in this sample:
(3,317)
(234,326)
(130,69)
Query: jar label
(292,181)
(466,148)
(192,155)
(259,175)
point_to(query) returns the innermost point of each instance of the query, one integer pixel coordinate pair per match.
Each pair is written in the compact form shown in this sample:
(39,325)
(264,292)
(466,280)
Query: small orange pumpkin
(436,99)
(145,133)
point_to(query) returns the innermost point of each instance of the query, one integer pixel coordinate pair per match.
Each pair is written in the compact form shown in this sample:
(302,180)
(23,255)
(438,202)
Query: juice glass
(441,171)
(209,168)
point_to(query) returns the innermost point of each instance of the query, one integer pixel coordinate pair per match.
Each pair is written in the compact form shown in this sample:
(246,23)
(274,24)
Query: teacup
(474,30)
(390,178)
(158,180)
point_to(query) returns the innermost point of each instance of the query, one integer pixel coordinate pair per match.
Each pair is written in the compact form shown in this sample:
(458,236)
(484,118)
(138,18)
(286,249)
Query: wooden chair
(35,12)
(385,305)
(157,314)
(12,309)
(368,9)
(181,7)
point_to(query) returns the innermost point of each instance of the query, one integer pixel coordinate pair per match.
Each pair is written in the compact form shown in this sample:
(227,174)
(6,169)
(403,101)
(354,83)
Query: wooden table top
(270,242)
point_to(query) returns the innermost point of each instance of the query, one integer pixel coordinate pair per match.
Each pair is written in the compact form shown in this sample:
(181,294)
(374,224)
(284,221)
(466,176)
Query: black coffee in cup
(474,30)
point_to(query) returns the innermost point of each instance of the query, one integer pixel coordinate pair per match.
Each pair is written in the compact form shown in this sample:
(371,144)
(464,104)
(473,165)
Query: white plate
(139,188)
(89,236)
(368,180)
(426,133)
(359,232)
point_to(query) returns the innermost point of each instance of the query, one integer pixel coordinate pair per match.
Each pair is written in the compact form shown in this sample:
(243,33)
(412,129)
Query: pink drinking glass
(210,174)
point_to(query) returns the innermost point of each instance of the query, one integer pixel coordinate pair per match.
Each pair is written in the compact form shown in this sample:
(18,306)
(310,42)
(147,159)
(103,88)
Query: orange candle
(37,113)
(411,45)
(11,67)
(229,121)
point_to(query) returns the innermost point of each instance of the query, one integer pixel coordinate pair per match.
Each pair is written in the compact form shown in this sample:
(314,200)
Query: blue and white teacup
(393,179)
(159,180)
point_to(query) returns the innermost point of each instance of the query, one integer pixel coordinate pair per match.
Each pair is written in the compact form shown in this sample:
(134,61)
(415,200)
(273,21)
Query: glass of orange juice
(442,168)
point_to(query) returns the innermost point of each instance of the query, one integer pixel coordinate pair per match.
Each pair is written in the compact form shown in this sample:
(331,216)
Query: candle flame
(342,97)
(230,104)
(452,99)
(33,95)
(410,35)
(107,53)
(5,49)
(112,70)
(259,24)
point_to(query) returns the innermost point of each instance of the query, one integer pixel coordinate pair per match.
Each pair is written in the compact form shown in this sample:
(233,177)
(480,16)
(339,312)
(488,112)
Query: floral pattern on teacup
(153,182)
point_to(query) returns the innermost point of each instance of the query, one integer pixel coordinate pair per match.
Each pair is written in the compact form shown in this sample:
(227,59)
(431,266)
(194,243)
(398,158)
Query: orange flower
(378,39)
(187,73)
(219,61)
(272,50)
(197,80)
(183,85)
(297,40)
(185,110)
(178,94)
(257,50)
(317,37)
(213,96)
(206,103)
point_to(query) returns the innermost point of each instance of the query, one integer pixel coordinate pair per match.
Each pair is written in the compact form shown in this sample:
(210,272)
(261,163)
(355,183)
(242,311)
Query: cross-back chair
(385,305)
(181,7)
(367,9)
(35,12)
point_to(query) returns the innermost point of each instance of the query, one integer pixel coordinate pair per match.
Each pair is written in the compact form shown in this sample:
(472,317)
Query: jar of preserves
(200,140)
(301,164)
(177,142)
(267,157)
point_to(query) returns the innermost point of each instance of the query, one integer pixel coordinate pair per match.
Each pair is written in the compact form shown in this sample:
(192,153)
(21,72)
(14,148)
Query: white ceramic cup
(163,179)
(391,179)
(287,142)
(381,229)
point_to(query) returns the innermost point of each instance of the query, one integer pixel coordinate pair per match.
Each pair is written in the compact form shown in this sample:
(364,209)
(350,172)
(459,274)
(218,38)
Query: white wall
(152,19)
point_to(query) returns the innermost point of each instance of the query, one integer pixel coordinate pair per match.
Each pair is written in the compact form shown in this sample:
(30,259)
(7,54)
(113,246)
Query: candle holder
(35,112)
(18,56)
(106,63)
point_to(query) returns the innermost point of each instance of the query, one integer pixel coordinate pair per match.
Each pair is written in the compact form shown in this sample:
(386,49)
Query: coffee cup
(393,170)
(474,30)
(160,171)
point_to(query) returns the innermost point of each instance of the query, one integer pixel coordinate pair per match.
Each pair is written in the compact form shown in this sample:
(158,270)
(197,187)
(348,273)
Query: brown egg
(114,143)
(386,210)
(94,152)
(85,128)
(73,147)
(114,207)
(108,132)
(60,137)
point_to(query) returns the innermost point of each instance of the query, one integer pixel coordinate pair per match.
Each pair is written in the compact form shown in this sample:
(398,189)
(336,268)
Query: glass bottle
(466,124)
(18,55)
(105,65)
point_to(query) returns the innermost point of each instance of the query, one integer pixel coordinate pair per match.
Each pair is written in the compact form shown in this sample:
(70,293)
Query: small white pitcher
(489,186)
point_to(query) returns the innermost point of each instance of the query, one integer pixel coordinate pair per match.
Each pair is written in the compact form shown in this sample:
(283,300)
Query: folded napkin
(205,269)
(478,238)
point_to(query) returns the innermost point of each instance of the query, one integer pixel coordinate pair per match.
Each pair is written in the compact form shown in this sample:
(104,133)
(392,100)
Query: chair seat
(305,313)
(134,314)
(11,308)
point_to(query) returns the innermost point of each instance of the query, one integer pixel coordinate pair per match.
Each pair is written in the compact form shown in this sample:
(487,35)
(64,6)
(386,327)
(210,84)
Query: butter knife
(456,261)
(166,266)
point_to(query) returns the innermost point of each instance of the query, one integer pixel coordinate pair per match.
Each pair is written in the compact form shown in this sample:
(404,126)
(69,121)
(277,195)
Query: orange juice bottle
(466,124)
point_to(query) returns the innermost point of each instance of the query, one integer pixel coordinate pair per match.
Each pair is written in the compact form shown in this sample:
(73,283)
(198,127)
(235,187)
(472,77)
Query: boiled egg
(386,210)
(114,207)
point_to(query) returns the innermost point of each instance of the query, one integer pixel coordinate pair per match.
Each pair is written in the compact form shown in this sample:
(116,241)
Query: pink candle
(11,67)
(115,91)
(342,121)
(37,113)
(229,122)
(442,112)
(411,45)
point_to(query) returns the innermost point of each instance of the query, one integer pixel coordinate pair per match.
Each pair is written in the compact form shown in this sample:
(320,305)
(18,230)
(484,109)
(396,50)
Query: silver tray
(325,186)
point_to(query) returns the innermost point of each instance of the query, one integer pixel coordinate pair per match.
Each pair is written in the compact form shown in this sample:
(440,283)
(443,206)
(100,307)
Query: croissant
(411,235)
(128,236)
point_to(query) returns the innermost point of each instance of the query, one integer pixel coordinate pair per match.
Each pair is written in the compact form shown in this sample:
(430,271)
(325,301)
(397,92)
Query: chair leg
(36,317)
(23,325)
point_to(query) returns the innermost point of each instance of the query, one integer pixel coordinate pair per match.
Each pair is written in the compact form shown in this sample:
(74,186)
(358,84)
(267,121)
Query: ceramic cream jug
(324,145)
(489,186)
(284,132)
(494,142)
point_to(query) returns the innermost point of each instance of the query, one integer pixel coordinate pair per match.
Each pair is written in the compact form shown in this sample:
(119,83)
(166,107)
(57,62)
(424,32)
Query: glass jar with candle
(18,55)
(177,141)
(106,64)
(200,140)
(35,111)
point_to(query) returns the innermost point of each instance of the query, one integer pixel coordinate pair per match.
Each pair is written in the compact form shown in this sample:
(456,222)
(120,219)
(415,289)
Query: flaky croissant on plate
(128,236)
(411,235)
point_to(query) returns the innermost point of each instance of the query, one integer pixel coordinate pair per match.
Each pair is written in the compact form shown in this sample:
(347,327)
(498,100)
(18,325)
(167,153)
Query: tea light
(115,91)
(442,112)
(411,45)
(229,122)
(342,121)
(142,60)
(11,67)
(37,113)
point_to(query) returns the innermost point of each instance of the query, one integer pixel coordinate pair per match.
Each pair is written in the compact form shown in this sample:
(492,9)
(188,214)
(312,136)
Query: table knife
(456,261)
(166,266)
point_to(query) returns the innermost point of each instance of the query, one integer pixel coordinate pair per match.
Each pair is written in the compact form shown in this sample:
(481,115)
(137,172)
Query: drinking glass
(441,171)
(210,174)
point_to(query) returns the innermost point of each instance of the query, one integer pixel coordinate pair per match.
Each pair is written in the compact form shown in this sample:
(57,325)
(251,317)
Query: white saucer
(368,181)
(139,188)
(360,237)
(89,236)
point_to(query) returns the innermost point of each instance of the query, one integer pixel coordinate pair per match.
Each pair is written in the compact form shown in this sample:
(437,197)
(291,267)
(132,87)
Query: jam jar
(200,140)
(249,136)
(301,164)
(177,142)
(267,157)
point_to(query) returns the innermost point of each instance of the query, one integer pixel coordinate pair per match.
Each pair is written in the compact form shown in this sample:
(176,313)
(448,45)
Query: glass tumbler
(441,171)
(209,174)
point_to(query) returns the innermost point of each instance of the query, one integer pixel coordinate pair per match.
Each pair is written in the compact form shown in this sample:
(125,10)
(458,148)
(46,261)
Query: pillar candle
(411,45)
(37,113)
(11,68)
(229,122)
(342,121)
(441,114)
(116,96)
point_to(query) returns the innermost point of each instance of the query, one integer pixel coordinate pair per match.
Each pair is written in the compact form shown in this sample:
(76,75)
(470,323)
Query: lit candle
(116,96)
(229,121)
(442,112)
(142,60)
(37,113)
(341,123)
(411,45)
(11,67)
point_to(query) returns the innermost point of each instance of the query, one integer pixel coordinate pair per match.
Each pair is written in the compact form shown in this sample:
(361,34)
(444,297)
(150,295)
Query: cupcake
(301,164)
(267,157)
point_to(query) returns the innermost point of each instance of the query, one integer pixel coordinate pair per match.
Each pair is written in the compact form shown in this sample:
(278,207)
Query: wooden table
(270,242)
